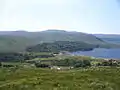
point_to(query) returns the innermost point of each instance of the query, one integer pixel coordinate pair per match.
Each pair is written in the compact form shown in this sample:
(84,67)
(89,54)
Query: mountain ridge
(23,38)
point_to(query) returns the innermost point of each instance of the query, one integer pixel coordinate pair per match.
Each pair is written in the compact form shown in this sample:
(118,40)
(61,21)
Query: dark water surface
(101,53)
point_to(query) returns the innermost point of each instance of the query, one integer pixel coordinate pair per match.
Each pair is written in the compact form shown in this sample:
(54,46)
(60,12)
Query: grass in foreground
(44,79)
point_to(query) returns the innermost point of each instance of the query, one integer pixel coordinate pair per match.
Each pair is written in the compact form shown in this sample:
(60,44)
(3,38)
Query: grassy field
(45,79)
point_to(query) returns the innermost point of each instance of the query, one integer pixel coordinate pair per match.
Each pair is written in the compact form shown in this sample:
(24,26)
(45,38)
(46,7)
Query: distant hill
(19,40)
(112,38)
(108,35)
(56,35)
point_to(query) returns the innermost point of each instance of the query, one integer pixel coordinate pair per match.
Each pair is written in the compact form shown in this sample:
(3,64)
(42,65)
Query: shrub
(41,65)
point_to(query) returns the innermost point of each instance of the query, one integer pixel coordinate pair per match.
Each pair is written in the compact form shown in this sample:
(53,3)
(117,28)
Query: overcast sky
(91,16)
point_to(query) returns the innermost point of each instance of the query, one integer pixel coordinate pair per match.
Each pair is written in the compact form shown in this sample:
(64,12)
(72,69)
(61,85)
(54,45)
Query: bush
(82,63)
(109,63)
(8,65)
(42,65)
(0,64)
(86,63)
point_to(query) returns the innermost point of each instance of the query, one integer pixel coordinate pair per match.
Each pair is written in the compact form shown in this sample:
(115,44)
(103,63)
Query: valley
(44,61)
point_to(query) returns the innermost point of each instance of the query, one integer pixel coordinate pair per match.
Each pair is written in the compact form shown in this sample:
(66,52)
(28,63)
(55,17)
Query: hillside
(17,41)
(107,35)
(112,38)
(14,43)
(61,46)
(56,35)
(61,35)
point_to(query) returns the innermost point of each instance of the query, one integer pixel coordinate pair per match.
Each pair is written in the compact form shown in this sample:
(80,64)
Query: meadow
(98,78)
(33,72)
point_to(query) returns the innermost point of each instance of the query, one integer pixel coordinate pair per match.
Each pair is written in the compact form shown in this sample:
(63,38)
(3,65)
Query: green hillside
(61,46)
(17,41)
(112,38)
(57,35)
(14,43)
(61,35)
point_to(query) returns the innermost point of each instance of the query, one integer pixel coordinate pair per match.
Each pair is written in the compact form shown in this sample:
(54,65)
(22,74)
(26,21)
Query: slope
(112,38)
(56,35)
(61,46)
(14,43)
(17,41)
(61,35)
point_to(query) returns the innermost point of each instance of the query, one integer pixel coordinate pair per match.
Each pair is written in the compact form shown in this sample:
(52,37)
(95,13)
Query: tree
(79,64)
(82,63)
(0,64)
(41,65)
(105,63)
(86,63)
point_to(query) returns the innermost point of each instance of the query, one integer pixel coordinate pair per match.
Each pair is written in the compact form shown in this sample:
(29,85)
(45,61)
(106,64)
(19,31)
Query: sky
(90,16)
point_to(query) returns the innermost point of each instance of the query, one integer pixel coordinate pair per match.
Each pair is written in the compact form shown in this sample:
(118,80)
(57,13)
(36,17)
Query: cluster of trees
(13,57)
(21,57)
(72,62)
(64,62)
(60,46)
(83,63)
(7,65)
(109,63)
(42,65)
(29,56)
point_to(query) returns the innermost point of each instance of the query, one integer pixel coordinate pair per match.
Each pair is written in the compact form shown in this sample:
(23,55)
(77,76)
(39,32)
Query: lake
(100,53)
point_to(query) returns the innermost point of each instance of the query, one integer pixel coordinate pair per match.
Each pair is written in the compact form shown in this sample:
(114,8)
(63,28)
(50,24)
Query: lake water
(101,53)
